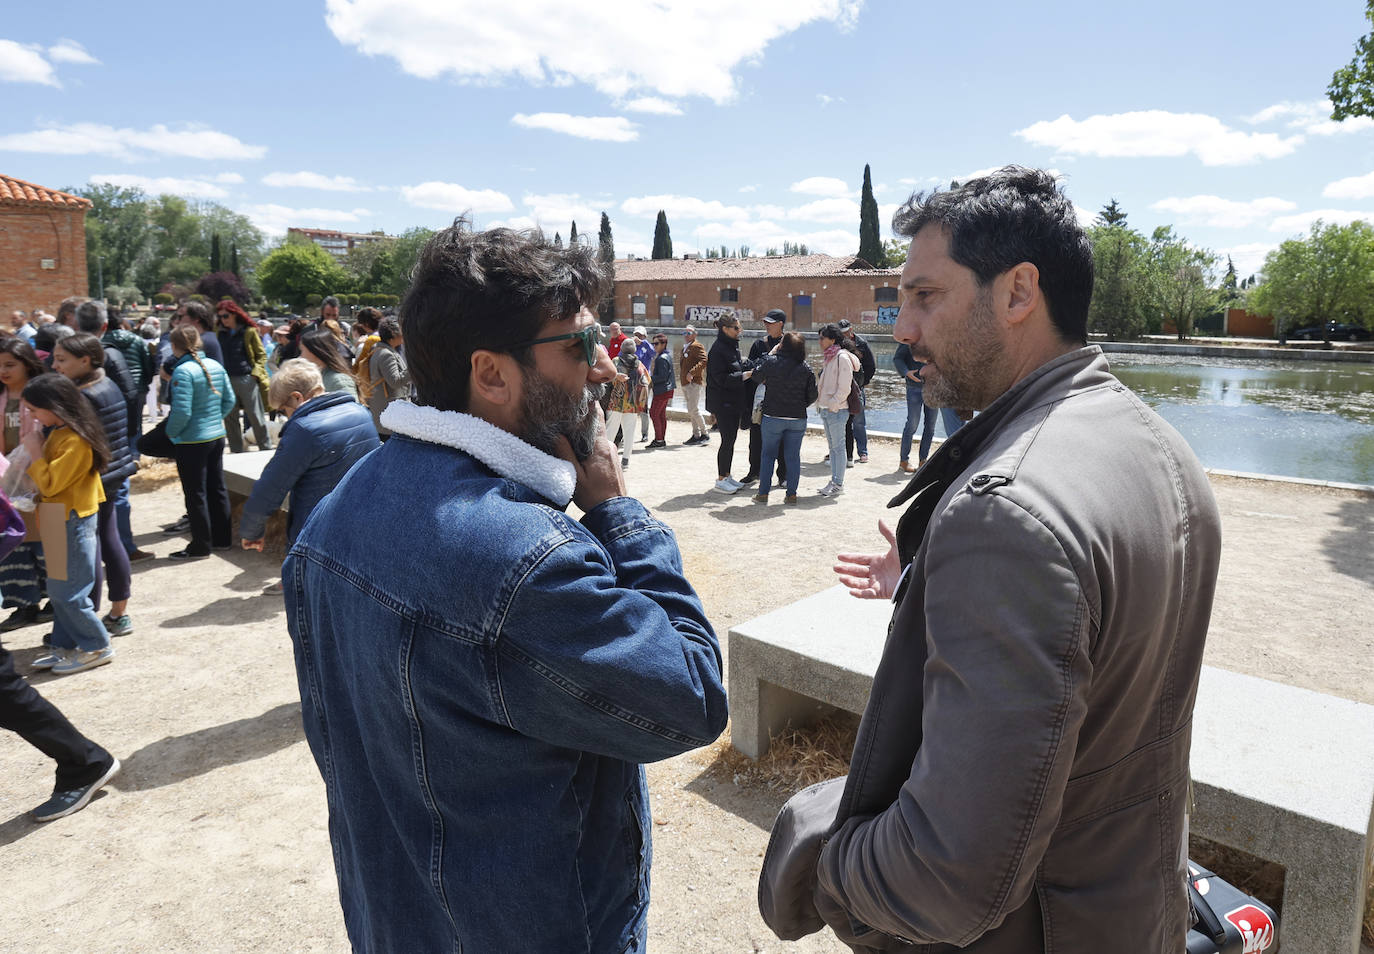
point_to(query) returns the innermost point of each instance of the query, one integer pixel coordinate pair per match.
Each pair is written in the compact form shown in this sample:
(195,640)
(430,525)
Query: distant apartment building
(42,246)
(334,242)
(812,290)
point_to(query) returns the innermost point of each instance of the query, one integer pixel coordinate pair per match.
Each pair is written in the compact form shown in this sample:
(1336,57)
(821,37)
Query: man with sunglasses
(482,675)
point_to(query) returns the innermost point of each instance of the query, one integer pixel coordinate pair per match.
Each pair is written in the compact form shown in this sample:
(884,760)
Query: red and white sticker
(1256,930)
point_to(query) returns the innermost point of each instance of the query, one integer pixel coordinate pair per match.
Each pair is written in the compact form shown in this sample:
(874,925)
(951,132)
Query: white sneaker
(737,484)
(80,660)
(726,486)
(831,489)
(48,660)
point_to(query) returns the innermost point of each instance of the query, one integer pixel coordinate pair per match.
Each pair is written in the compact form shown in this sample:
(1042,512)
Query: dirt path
(213,838)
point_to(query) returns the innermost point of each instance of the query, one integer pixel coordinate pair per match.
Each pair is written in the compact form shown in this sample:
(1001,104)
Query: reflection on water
(1299,419)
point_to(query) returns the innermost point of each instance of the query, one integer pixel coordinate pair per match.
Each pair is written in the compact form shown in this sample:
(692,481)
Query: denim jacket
(481,677)
(325,436)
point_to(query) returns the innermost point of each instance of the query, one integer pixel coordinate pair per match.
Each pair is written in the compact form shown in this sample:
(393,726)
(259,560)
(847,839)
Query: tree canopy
(663,239)
(1327,276)
(295,272)
(1352,86)
(870,234)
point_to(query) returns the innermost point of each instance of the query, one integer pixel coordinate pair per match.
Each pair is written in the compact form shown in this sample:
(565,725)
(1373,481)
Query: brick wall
(28,236)
(832,297)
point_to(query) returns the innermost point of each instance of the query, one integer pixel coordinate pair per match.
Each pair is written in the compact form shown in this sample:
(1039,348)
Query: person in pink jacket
(837,374)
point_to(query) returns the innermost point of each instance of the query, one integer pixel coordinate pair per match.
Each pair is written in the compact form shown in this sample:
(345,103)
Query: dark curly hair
(491,291)
(1014,215)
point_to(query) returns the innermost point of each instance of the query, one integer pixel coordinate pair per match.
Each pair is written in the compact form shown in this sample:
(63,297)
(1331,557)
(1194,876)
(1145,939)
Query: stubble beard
(964,371)
(551,413)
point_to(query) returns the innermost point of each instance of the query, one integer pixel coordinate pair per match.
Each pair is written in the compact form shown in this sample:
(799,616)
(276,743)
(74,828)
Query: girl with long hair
(319,348)
(80,358)
(837,373)
(201,399)
(23,576)
(66,468)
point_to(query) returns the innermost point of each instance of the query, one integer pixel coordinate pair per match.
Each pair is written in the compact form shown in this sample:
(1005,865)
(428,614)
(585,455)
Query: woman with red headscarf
(245,361)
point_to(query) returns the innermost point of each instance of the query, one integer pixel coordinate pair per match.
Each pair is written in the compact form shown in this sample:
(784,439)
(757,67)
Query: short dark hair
(793,346)
(493,290)
(1010,216)
(329,302)
(199,312)
(368,318)
(91,316)
(389,329)
(48,334)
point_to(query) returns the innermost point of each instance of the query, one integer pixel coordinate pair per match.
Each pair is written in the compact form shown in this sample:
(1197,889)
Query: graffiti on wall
(887,314)
(707,314)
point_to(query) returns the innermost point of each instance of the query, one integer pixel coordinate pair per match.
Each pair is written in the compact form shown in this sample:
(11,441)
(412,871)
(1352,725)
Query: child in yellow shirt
(66,467)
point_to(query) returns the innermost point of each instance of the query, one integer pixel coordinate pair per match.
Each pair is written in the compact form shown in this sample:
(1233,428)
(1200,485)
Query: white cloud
(229,178)
(827,210)
(1352,187)
(1156,133)
(81,139)
(1213,210)
(1248,258)
(1301,222)
(673,48)
(157,185)
(606,128)
(275,219)
(1086,217)
(653,104)
(749,188)
(313,180)
(451,197)
(827,186)
(682,207)
(825,100)
(70,51)
(25,64)
(1312,117)
(760,234)
(557,211)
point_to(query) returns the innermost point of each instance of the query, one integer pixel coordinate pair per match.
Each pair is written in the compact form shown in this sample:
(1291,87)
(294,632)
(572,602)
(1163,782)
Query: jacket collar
(550,477)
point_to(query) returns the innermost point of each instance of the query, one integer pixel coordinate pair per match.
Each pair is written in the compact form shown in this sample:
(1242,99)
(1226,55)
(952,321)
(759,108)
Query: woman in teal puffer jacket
(201,398)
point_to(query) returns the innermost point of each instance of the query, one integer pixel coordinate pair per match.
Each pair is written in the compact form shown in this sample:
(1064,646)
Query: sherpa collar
(500,450)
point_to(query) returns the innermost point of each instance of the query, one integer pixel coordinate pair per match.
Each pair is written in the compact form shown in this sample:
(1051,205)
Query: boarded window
(639,306)
(729,294)
(665,308)
(884,294)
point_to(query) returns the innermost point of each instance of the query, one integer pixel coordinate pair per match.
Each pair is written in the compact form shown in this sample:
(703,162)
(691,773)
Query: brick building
(337,243)
(812,289)
(42,247)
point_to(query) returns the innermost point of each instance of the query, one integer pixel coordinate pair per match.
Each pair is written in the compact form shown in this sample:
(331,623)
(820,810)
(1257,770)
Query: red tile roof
(18,192)
(782,266)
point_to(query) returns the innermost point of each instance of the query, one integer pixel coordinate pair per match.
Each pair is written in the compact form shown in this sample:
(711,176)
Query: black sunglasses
(592,337)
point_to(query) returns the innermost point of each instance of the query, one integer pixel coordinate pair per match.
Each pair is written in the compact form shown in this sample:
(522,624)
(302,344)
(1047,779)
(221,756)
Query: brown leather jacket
(1020,775)
(693,364)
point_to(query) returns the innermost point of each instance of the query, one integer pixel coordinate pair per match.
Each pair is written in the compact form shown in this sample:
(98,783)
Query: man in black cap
(773,321)
(856,430)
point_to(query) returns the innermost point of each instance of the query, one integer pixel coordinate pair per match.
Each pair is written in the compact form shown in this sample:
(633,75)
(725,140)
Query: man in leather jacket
(1020,775)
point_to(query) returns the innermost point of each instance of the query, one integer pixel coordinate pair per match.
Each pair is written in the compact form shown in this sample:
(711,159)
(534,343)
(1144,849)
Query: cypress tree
(1111,214)
(214,253)
(572,236)
(605,244)
(557,240)
(870,240)
(234,258)
(663,239)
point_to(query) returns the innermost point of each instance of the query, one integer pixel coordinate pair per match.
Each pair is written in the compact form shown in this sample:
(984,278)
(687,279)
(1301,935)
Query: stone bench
(241,472)
(1283,773)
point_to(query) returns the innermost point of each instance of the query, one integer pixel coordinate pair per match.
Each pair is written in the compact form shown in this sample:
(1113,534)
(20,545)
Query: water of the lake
(1292,419)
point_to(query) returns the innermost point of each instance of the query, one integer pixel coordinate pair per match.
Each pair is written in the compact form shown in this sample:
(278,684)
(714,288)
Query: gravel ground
(213,837)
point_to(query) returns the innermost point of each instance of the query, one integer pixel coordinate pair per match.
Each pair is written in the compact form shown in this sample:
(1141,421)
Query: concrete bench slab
(241,472)
(1283,773)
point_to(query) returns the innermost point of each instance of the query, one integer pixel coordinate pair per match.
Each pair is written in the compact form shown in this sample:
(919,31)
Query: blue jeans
(916,410)
(834,422)
(74,623)
(856,429)
(780,436)
(950,420)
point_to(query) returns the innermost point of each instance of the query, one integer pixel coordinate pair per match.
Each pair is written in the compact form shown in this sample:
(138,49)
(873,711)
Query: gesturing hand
(599,477)
(871,576)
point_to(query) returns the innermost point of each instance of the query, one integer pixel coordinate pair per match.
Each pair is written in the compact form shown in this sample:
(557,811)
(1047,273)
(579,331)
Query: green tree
(1230,291)
(117,232)
(870,236)
(1181,278)
(605,244)
(1352,86)
(1327,276)
(663,238)
(234,259)
(1121,280)
(368,265)
(557,239)
(296,273)
(572,236)
(214,252)
(400,262)
(1111,214)
(894,252)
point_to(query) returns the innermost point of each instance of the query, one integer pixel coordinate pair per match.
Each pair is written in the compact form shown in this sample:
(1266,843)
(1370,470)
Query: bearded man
(481,675)
(1020,778)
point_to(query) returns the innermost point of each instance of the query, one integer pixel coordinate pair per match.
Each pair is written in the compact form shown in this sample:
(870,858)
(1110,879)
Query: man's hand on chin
(599,477)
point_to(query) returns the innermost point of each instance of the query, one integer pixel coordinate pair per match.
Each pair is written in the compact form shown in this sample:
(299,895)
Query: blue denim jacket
(481,678)
(324,437)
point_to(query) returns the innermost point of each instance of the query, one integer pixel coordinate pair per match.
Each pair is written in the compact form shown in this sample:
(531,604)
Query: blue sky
(750,123)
